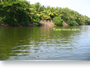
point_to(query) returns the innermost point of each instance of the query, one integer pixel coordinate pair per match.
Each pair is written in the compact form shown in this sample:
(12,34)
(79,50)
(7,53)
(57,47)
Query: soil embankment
(50,23)
(64,23)
(46,23)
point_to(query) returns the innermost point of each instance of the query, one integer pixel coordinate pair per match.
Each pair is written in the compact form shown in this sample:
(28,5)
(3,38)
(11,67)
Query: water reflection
(43,43)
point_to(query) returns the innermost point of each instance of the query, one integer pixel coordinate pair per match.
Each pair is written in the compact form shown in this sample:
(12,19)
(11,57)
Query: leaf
(8,10)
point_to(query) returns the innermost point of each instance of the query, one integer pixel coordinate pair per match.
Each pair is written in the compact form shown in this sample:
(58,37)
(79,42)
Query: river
(44,43)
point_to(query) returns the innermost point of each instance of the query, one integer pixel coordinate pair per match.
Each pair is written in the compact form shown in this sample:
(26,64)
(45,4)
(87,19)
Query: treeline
(21,12)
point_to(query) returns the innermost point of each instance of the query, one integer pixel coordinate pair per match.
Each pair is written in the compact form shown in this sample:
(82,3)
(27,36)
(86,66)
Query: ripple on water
(36,43)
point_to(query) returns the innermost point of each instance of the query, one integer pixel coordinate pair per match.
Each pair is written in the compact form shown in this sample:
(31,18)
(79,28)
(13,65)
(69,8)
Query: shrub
(81,23)
(72,23)
(58,20)
(16,19)
(10,20)
(35,19)
(1,20)
(24,19)
(86,23)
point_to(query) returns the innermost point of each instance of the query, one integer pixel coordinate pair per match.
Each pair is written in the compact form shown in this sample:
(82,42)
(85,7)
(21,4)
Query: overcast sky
(81,6)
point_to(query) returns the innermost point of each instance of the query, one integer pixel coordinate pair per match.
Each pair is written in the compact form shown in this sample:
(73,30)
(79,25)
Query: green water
(44,43)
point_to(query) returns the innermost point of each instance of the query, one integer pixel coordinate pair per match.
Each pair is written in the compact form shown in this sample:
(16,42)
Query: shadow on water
(43,43)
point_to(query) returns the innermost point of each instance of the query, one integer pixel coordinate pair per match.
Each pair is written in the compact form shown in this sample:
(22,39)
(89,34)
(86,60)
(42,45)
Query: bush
(86,23)
(24,19)
(72,23)
(58,20)
(81,23)
(1,20)
(35,19)
(10,20)
(16,19)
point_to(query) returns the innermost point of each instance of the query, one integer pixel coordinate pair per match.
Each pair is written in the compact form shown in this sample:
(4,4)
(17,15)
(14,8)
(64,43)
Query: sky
(81,6)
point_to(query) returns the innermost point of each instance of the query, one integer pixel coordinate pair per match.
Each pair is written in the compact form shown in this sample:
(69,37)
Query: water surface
(44,43)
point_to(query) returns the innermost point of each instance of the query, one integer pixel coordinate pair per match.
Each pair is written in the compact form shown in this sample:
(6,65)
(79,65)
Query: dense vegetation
(21,12)
(58,21)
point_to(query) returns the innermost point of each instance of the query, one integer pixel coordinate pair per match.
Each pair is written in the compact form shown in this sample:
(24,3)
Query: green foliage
(81,23)
(35,19)
(23,18)
(57,21)
(72,23)
(1,20)
(86,23)
(15,12)
(21,12)
(10,20)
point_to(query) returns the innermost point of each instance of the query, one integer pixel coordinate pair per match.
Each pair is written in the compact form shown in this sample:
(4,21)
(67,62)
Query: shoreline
(41,23)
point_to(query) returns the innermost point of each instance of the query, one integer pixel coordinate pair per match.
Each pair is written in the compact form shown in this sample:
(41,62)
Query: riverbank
(7,25)
(42,23)
(20,13)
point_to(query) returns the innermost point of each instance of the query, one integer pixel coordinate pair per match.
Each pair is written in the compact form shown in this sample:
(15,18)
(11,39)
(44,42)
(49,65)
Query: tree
(34,19)
(15,12)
